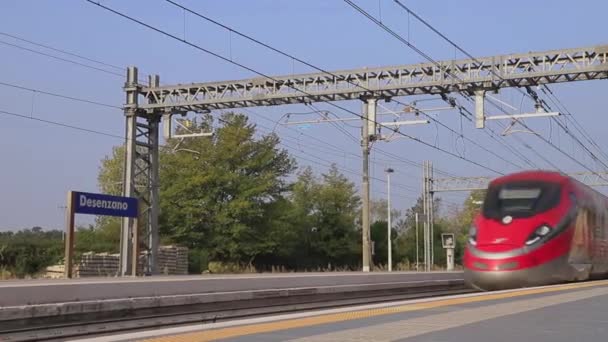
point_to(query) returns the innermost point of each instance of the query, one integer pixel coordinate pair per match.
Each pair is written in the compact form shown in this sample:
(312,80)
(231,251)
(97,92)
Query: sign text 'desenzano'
(106,205)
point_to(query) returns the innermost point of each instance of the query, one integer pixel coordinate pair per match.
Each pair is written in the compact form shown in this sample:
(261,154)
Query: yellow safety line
(222,333)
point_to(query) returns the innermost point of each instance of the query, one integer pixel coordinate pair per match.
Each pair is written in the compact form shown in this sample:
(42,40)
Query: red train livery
(537,228)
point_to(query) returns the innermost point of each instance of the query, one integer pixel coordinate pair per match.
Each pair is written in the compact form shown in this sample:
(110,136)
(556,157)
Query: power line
(426,56)
(63,59)
(339,152)
(64,52)
(61,124)
(529,93)
(501,140)
(219,56)
(257,41)
(403,186)
(88,130)
(576,139)
(333,162)
(122,75)
(570,117)
(398,37)
(60,95)
(266,45)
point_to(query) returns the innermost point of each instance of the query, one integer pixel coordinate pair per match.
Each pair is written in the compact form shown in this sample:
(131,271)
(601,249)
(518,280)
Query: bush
(198,260)
(29,251)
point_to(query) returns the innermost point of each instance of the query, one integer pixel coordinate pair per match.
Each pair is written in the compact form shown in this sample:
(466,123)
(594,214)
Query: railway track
(90,325)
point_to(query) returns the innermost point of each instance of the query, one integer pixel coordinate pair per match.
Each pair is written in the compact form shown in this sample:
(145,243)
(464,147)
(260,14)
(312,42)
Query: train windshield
(520,199)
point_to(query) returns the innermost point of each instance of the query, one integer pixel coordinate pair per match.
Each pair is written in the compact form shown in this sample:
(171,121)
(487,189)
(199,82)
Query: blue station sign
(105,205)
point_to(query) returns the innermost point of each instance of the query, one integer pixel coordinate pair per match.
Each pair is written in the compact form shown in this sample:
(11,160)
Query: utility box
(449,243)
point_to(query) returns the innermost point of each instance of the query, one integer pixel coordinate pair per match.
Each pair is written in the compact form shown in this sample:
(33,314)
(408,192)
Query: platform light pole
(417,257)
(389,225)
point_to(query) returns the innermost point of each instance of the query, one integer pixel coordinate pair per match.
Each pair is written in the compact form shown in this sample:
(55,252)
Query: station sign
(104,205)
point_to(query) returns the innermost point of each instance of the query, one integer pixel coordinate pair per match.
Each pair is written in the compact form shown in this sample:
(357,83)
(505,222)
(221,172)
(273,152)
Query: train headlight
(473,236)
(538,234)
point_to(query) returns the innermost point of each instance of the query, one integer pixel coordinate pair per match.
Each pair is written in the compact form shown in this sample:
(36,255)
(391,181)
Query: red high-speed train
(537,228)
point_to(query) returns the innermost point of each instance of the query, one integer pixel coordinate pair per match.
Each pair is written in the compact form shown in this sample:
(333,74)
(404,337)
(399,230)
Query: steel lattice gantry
(473,76)
(495,72)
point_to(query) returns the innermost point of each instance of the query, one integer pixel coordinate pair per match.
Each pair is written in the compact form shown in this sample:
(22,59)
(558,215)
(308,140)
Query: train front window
(520,199)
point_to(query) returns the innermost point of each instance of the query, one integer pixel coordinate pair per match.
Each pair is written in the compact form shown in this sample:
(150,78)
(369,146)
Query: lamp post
(389,225)
(417,258)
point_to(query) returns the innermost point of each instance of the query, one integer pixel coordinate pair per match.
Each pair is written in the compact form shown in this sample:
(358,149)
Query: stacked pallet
(55,271)
(97,265)
(173,260)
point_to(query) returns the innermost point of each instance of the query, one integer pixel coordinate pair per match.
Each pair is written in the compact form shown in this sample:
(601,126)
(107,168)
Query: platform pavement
(564,313)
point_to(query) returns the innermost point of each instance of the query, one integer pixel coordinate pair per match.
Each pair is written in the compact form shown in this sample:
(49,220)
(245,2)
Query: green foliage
(28,251)
(379,235)
(219,192)
(198,261)
(227,198)
(324,217)
(111,172)
(103,239)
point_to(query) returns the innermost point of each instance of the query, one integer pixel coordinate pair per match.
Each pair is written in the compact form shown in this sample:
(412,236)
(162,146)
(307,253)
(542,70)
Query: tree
(325,212)
(111,170)
(379,234)
(379,211)
(406,239)
(105,235)
(218,192)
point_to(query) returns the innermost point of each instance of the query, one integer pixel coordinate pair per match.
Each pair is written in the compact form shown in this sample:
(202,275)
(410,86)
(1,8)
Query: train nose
(508,274)
(495,280)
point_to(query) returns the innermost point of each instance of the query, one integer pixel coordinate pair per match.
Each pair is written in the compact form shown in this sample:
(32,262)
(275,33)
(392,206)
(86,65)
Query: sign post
(69,236)
(97,204)
(449,243)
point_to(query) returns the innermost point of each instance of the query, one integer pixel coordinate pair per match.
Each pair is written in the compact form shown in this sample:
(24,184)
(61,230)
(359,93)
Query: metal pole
(130,109)
(365,192)
(417,258)
(153,238)
(427,237)
(431,213)
(424,250)
(389,225)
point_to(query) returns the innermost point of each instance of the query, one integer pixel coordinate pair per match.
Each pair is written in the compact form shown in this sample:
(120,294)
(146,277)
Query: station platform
(562,313)
(36,292)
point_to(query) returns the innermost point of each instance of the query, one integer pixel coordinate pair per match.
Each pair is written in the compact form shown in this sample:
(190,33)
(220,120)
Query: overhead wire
(576,139)
(328,163)
(569,116)
(245,67)
(63,51)
(529,93)
(340,152)
(501,140)
(268,46)
(63,59)
(72,54)
(67,97)
(61,124)
(407,43)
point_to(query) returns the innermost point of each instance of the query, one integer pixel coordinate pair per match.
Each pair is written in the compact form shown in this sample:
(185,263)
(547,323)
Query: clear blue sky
(40,163)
